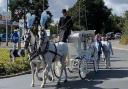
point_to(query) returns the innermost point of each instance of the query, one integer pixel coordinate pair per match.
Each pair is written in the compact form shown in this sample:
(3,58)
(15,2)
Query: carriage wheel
(57,68)
(95,64)
(70,70)
(83,69)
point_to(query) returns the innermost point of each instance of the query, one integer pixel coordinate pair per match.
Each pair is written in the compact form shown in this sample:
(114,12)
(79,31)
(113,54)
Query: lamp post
(79,15)
(86,20)
(7,25)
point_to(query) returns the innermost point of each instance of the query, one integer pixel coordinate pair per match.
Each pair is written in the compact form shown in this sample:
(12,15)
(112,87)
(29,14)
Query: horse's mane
(33,37)
(34,30)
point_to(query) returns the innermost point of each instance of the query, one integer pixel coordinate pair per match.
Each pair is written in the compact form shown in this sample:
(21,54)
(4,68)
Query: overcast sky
(56,6)
(3,5)
(118,6)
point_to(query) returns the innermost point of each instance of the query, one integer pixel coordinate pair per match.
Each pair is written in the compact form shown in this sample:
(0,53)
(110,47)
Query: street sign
(21,23)
(48,32)
(6,16)
(15,37)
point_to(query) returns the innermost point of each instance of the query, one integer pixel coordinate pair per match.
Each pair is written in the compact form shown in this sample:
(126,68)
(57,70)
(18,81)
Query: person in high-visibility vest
(15,39)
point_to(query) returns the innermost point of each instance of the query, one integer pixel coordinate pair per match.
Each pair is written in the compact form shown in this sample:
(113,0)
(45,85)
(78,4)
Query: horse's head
(27,38)
(42,36)
(29,41)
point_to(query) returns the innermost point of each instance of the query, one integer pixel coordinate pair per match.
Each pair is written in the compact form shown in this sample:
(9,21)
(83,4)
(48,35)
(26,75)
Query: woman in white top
(107,50)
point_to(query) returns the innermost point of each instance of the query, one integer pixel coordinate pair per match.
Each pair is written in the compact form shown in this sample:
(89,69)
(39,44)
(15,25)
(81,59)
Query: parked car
(3,37)
(117,35)
(110,35)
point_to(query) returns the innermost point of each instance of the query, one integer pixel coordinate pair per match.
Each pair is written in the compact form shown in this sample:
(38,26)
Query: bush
(16,67)
(2,69)
(7,67)
(124,39)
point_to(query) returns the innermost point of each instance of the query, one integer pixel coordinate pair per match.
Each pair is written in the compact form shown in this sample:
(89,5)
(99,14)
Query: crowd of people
(104,48)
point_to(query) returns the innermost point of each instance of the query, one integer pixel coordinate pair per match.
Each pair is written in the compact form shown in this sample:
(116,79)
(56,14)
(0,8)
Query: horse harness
(48,50)
(42,53)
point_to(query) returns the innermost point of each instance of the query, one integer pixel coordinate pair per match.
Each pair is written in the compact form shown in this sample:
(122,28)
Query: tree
(124,37)
(20,7)
(94,11)
(125,27)
(114,23)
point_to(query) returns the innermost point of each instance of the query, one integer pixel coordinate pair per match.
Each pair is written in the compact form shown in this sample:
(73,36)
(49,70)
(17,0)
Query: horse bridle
(43,36)
(27,40)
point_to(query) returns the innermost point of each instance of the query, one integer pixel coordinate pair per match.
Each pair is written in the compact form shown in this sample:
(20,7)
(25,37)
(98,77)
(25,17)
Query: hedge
(7,68)
(124,39)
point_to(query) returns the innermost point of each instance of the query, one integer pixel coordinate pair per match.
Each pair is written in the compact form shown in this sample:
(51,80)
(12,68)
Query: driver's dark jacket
(65,23)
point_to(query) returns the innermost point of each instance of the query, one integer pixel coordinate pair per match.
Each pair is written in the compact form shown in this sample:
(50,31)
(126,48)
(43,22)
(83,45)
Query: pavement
(10,45)
(115,78)
(117,45)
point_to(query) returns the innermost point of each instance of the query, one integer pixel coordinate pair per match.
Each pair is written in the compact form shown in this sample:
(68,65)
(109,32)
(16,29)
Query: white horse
(53,52)
(30,46)
(49,52)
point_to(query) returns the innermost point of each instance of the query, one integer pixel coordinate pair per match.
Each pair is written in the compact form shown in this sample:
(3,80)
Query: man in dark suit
(98,45)
(65,26)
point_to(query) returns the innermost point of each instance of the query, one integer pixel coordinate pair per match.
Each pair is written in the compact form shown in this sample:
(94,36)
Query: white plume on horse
(30,19)
(44,17)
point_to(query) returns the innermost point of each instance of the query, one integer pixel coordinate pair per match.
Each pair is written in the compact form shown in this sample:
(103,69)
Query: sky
(118,6)
(3,5)
(56,7)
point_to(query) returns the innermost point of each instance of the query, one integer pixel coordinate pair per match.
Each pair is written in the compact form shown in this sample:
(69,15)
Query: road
(115,78)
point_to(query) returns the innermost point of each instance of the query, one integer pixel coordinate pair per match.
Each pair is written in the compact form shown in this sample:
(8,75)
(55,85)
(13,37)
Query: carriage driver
(65,25)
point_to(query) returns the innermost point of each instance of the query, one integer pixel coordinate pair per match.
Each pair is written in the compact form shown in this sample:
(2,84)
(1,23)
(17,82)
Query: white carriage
(82,54)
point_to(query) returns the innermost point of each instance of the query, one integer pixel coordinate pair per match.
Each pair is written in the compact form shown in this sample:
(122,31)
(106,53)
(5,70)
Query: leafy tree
(20,7)
(126,15)
(124,37)
(114,23)
(125,27)
(53,29)
(94,11)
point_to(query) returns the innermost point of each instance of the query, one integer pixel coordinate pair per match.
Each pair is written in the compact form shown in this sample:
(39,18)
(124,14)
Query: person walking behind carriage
(107,50)
(98,45)
(65,26)
(15,40)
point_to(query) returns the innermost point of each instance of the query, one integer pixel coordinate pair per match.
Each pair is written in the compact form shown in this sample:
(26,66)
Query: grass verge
(21,64)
